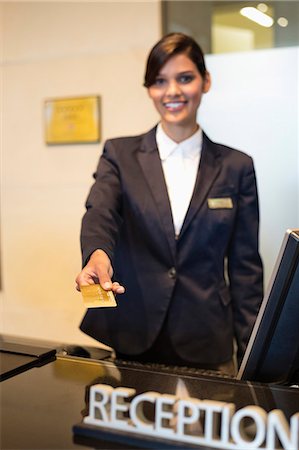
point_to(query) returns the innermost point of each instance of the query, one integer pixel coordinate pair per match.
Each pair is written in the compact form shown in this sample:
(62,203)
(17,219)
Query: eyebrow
(184,72)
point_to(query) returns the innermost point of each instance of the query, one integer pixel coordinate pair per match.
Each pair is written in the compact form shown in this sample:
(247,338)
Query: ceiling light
(283,22)
(262,7)
(257,16)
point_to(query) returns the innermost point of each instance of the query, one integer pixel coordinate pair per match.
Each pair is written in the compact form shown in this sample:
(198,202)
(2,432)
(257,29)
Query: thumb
(104,277)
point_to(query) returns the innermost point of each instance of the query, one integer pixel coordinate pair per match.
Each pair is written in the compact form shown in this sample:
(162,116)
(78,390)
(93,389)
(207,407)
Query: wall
(59,50)
(253,105)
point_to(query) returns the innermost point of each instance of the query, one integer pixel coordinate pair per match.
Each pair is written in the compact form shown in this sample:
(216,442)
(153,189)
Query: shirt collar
(190,147)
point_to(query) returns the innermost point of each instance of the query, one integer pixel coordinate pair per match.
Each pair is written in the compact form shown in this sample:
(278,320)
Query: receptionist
(171,224)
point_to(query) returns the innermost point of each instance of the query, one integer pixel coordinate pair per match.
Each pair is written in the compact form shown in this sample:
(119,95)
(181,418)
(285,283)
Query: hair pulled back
(170,45)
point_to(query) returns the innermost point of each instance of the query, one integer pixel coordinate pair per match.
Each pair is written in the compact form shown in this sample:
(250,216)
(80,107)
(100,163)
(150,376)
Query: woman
(174,218)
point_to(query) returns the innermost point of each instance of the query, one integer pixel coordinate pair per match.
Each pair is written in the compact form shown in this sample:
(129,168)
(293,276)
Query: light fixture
(257,16)
(282,22)
(262,7)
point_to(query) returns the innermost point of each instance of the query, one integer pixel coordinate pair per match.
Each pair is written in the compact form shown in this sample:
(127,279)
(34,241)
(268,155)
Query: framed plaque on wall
(73,120)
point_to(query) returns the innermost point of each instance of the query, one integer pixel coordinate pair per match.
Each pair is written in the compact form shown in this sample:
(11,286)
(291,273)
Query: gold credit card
(94,296)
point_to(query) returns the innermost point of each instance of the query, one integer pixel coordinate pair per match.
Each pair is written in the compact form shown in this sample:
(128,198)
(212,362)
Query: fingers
(85,278)
(117,288)
(99,270)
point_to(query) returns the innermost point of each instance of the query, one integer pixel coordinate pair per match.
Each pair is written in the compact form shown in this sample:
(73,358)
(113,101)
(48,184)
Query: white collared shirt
(180,165)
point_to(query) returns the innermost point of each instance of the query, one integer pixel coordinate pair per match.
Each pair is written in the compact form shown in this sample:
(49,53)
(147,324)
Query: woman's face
(177,91)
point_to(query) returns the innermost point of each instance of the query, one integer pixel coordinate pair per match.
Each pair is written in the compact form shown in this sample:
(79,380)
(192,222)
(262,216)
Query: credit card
(94,296)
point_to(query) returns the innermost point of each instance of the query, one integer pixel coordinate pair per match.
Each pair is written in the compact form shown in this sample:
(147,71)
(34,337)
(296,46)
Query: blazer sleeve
(245,269)
(102,220)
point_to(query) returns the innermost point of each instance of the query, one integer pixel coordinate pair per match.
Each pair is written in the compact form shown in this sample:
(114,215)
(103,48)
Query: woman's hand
(99,270)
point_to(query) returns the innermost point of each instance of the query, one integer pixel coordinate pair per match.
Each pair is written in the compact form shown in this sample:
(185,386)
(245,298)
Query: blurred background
(71,49)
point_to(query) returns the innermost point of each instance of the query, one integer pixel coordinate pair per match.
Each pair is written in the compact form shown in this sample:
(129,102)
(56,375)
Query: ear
(206,83)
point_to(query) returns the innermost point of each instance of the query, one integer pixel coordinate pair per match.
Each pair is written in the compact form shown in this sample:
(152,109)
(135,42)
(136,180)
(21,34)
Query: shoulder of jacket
(125,141)
(229,152)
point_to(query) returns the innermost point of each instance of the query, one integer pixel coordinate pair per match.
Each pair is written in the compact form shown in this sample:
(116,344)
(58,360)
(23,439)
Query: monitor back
(272,354)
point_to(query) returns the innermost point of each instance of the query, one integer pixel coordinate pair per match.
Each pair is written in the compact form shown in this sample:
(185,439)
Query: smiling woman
(172,224)
(176,93)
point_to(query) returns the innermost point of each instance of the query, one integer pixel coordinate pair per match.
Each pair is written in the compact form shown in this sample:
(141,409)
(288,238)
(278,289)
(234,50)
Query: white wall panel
(253,106)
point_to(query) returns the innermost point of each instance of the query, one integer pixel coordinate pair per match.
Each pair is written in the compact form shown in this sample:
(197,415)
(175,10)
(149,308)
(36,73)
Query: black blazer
(208,280)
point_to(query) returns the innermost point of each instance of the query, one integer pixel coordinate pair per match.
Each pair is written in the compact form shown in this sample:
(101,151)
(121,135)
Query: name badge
(220,203)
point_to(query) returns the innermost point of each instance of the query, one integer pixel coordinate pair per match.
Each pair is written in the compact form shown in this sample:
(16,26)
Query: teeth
(174,104)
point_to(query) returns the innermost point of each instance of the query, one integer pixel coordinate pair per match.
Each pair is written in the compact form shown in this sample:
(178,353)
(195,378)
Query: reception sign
(72,120)
(208,423)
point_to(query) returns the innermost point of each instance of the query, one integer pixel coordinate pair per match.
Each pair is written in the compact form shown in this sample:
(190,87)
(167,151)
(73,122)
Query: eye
(159,81)
(185,78)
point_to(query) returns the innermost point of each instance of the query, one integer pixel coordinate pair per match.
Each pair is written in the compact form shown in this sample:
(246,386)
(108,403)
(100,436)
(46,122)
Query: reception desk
(45,397)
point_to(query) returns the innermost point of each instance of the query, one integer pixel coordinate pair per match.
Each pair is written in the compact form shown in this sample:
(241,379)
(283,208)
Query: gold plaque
(94,296)
(72,120)
(220,203)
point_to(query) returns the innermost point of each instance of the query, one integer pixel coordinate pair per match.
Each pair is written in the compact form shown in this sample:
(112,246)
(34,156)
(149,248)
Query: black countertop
(41,405)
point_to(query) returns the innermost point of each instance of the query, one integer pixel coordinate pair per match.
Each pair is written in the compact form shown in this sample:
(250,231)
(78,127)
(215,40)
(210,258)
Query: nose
(173,88)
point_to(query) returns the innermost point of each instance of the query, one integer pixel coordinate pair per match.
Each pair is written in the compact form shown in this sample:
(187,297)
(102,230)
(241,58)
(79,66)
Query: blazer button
(172,272)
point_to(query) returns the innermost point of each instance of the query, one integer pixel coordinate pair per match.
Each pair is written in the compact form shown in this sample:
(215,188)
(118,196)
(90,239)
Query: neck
(179,133)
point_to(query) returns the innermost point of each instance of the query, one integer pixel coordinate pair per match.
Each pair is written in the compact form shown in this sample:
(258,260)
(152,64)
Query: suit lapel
(150,162)
(209,168)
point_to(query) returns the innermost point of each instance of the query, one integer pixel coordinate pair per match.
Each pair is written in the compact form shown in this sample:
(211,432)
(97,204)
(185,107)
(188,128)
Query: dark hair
(170,45)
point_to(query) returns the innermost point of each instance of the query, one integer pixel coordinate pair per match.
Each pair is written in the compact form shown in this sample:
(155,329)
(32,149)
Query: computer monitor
(272,354)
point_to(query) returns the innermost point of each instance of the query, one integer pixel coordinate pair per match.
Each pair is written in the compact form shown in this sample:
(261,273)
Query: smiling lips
(175,105)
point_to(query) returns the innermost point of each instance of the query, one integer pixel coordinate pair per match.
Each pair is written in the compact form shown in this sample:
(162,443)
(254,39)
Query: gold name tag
(94,296)
(220,203)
